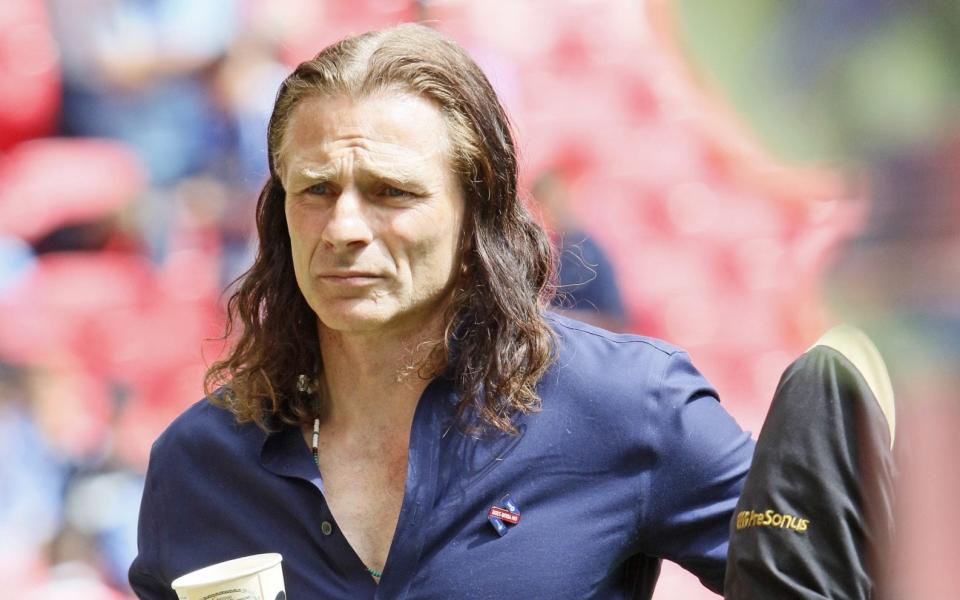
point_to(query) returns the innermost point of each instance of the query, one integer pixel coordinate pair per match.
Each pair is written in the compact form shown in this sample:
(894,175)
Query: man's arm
(692,492)
(144,581)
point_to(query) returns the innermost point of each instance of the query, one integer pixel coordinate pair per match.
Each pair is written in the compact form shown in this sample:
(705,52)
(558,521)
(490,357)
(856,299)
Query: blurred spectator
(32,478)
(245,86)
(140,71)
(102,507)
(586,282)
(136,71)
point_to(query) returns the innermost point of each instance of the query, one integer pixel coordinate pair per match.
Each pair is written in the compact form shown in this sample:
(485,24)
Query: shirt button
(326,528)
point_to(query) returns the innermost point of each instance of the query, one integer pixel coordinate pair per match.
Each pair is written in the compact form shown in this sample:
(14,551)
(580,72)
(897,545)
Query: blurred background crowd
(732,178)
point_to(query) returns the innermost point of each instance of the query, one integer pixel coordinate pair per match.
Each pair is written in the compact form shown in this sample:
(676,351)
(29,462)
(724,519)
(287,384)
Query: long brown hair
(497,344)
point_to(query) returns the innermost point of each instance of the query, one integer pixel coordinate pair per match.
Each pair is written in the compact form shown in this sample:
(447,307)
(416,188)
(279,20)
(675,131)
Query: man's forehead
(334,160)
(396,118)
(386,132)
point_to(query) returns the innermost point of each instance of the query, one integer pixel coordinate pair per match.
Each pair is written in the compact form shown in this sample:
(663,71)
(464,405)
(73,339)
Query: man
(399,415)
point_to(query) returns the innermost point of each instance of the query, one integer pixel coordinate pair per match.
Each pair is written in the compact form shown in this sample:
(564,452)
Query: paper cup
(256,577)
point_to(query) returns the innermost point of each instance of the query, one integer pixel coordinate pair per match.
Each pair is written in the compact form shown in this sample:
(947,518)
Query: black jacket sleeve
(816,511)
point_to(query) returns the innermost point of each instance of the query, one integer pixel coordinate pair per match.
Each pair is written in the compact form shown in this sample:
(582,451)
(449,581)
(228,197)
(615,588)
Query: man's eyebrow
(315,173)
(403,176)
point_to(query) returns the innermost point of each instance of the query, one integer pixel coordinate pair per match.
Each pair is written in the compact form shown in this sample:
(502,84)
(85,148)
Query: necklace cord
(316,460)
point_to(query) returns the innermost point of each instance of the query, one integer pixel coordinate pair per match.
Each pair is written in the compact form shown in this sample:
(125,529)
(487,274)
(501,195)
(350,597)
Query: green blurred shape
(881,87)
(897,86)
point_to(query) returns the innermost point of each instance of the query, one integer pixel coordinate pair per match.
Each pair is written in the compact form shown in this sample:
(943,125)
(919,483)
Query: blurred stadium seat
(49,183)
(29,73)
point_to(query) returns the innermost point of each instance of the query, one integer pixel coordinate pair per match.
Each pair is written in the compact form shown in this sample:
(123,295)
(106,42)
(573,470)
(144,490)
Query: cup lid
(227,570)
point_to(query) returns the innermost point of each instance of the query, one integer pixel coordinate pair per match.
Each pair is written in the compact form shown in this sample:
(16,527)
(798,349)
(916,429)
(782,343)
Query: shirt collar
(283,452)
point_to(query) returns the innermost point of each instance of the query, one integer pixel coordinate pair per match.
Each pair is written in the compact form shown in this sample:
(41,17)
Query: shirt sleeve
(816,513)
(703,459)
(145,580)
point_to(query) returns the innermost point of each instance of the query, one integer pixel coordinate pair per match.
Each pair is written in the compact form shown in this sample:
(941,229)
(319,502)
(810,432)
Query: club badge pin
(504,514)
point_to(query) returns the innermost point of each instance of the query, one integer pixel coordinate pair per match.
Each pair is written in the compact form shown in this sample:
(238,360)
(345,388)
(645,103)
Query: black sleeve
(816,510)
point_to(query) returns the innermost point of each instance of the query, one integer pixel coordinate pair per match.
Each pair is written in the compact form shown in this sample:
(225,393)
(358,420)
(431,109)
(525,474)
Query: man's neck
(374,377)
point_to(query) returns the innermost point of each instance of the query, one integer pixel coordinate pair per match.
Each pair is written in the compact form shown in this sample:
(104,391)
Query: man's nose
(348,224)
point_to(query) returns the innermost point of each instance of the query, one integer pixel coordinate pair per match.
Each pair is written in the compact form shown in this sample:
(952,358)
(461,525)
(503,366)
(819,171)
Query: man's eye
(318,189)
(393,192)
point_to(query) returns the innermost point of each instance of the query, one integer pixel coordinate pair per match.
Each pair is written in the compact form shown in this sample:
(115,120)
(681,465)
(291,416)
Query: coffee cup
(255,577)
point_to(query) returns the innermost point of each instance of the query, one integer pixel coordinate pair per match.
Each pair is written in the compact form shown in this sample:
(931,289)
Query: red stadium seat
(48,311)
(29,73)
(48,183)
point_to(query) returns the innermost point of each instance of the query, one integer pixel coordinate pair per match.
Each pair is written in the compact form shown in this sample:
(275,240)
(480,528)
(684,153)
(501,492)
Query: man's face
(374,210)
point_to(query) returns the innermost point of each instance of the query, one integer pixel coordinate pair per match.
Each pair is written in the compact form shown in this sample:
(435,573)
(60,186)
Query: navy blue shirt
(630,456)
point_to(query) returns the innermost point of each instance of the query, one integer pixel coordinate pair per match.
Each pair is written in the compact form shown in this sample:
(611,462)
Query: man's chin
(365,323)
(354,323)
